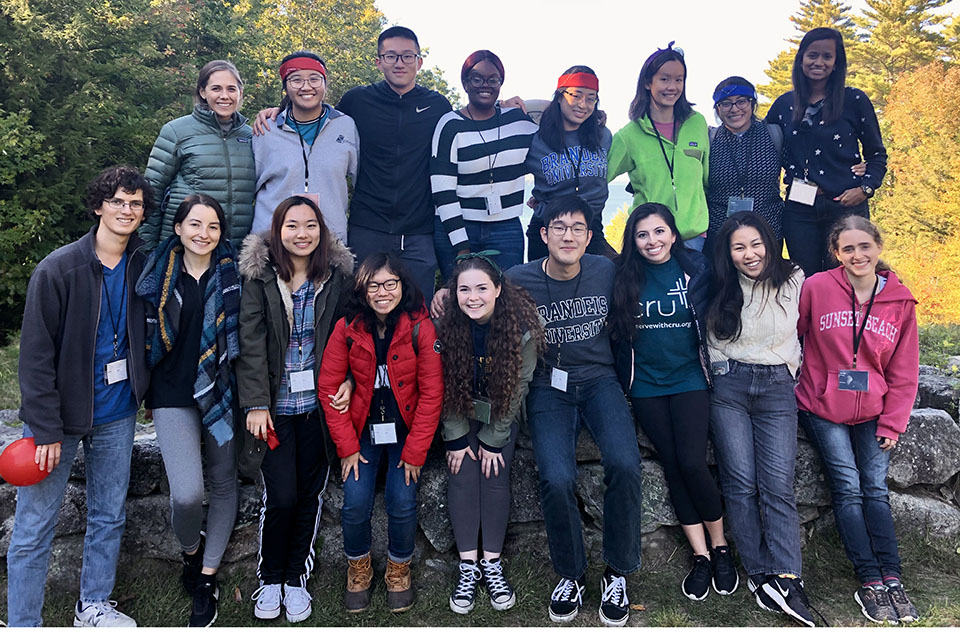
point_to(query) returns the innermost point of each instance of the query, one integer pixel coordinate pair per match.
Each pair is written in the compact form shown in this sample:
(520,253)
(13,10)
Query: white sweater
(768,332)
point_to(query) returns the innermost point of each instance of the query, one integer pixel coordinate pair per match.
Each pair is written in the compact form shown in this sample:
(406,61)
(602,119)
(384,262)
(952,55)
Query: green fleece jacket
(636,152)
(192,154)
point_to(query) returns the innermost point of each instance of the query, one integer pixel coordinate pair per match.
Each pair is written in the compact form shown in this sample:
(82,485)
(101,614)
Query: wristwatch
(867,190)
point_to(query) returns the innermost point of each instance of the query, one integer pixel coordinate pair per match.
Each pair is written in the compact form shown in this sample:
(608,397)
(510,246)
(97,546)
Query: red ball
(17,466)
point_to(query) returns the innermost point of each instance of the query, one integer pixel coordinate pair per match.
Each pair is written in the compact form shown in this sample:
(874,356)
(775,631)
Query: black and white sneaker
(876,605)
(192,565)
(501,593)
(696,585)
(725,577)
(906,612)
(790,597)
(566,600)
(206,593)
(465,593)
(614,604)
(764,601)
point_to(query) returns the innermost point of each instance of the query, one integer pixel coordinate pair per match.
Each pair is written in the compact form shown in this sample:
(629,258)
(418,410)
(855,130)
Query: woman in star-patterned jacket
(827,129)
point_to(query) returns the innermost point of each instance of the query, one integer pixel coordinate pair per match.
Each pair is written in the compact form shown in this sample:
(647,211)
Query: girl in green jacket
(664,149)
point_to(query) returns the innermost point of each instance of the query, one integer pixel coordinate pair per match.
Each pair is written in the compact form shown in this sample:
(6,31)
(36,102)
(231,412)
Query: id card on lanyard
(558,376)
(315,197)
(853,379)
(743,203)
(669,161)
(116,370)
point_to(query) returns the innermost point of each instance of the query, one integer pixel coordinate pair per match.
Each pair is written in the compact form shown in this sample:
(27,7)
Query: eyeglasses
(388,285)
(559,230)
(391,58)
(478,81)
(574,98)
(117,204)
(314,81)
(740,103)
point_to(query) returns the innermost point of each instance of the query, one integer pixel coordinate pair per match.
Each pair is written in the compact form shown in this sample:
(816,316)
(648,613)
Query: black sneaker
(205,596)
(764,601)
(192,564)
(501,593)
(696,585)
(789,596)
(464,594)
(725,577)
(876,605)
(566,600)
(614,604)
(906,612)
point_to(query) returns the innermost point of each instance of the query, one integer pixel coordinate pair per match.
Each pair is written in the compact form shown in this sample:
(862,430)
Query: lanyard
(576,288)
(858,335)
(663,150)
(115,321)
(576,168)
(748,153)
(483,140)
(303,150)
(301,327)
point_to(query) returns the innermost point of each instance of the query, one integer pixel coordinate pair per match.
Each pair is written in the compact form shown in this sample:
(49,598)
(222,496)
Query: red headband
(580,79)
(301,64)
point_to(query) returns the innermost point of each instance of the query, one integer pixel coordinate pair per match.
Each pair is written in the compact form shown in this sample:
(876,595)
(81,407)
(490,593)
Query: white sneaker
(100,614)
(268,601)
(296,600)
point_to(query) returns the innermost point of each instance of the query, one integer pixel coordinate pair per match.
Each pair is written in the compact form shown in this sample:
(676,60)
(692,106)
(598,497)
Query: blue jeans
(555,418)
(856,468)
(107,449)
(415,252)
(753,424)
(505,236)
(401,502)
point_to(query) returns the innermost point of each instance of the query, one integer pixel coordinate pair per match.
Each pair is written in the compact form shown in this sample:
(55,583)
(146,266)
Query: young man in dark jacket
(82,377)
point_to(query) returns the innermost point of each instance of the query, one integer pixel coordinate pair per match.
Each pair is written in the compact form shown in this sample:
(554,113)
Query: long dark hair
(358,309)
(193,200)
(319,260)
(551,122)
(833,105)
(514,314)
(631,274)
(723,315)
(640,106)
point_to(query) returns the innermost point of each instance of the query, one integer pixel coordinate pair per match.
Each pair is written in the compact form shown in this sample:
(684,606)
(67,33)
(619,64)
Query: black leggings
(677,425)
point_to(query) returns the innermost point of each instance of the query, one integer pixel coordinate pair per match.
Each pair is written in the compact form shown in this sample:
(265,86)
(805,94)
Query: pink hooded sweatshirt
(889,350)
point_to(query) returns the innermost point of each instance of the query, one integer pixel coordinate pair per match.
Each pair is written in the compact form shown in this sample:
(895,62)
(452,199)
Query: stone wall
(924,479)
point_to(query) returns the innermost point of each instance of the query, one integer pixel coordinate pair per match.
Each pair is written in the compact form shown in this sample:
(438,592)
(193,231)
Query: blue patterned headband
(733,90)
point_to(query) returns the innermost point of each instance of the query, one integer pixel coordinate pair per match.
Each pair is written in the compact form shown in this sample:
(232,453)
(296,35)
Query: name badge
(493,203)
(114,372)
(736,205)
(852,380)
(802,192)
(558,379)
(301,381)
(383,432)
(482,409)
(720,367)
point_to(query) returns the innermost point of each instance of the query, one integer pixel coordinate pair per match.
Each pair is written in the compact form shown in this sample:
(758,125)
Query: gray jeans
(179,432)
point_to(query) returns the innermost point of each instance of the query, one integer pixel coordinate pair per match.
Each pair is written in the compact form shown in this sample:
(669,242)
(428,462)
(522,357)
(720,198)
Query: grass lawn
(152,593)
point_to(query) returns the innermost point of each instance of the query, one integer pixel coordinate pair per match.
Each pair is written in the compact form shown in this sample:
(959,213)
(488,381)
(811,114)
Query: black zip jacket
(392,193)
(59,336)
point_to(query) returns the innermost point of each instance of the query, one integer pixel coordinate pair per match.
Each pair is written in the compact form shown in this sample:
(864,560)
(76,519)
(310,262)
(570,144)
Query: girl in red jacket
(856,389)
(388,344)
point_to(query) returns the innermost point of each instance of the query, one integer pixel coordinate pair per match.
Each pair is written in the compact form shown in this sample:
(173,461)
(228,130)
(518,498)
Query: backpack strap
(711,133)
(415,336)
(776,134)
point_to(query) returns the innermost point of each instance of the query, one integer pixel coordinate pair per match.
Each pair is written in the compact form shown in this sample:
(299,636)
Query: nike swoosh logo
(419,110)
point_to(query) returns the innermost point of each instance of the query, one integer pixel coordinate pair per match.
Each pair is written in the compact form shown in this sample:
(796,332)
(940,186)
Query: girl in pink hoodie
(857,385)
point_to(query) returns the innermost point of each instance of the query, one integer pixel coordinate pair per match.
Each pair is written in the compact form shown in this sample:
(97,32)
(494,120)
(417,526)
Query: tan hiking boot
(400,594)
(359,583)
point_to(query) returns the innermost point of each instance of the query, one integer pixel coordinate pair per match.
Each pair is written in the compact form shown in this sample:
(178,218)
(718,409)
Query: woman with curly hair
(489,320)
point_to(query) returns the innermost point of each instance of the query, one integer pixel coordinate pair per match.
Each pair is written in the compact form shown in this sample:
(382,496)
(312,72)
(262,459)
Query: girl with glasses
(388,345)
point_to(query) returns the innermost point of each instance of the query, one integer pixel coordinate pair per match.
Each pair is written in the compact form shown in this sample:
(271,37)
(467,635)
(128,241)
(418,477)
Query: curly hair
(108,181)
(514,314)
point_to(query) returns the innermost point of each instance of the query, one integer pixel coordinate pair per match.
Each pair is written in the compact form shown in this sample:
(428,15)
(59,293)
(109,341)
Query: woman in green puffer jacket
(208,151)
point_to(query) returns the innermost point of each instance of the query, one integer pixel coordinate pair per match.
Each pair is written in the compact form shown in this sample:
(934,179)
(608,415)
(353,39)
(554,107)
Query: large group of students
(271,335)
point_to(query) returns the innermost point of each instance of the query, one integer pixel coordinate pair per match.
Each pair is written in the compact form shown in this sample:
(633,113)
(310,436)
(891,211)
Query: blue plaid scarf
(213,389)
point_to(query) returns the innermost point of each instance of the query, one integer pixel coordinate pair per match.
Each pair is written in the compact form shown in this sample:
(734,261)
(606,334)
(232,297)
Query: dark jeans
(806,228)
(677,425)
(753,423)
(555,420)
(505,236)
(294,477)
(401,501)
(856,468)
(415,251)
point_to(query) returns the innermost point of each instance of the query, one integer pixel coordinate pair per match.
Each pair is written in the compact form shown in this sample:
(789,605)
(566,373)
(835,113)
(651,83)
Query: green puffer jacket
(192,155)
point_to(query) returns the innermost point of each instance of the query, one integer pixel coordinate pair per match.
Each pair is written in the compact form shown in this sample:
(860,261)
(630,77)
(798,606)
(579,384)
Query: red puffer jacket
(415,377)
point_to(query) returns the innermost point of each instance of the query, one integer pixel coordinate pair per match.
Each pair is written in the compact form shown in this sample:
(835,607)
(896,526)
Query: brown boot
(359,582)
(400,594)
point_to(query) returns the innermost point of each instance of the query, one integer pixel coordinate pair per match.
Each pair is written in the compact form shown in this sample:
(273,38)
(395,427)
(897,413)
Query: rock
(146,465)
(432,512)
(808,514)
(927,370)
(148,532)
(939,392)
(8,434)
(590,489)
(249,497)
(953,364)
(809,484)
(524,488)
(10,417)
(587,449)
(924,515)
(657,509)
(244,543)
(73,510)
(929,451)
(66,557)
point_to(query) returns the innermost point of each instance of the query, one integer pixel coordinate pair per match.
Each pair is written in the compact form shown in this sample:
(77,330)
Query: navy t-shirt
(115,401)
